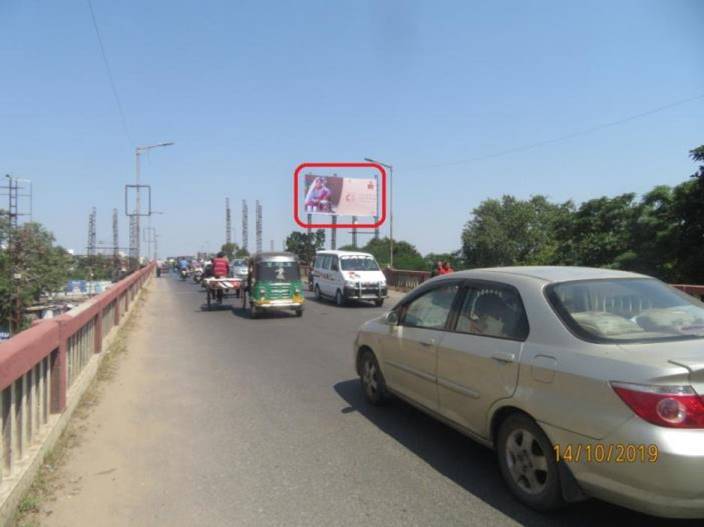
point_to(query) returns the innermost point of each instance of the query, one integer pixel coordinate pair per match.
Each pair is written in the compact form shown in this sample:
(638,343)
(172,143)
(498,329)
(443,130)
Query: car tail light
(670,406)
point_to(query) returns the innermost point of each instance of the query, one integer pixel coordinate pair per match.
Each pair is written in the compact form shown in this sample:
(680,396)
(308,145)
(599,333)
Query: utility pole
(245,226)
(391,207)
(333,234)
(14,250)
(91,249)
(258,225)
(271,245)
(115,244)
(354,232)
(135,218)
(228,224)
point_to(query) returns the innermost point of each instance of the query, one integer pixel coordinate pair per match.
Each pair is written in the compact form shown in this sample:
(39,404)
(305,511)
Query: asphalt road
(216,419)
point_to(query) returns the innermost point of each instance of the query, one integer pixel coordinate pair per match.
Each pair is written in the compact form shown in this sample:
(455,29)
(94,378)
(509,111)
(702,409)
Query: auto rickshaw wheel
(253,310)
(207,295)
(299,312)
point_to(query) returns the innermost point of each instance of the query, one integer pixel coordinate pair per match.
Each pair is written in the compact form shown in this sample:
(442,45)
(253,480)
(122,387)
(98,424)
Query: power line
(109,72)
(565,137)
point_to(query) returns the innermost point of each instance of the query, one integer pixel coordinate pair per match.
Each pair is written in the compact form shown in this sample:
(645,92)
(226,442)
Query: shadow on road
(241,312)
(474,468)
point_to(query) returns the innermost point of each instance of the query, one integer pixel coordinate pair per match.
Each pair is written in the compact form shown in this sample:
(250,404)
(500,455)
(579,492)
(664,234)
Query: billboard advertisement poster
(334,196)
(340,196)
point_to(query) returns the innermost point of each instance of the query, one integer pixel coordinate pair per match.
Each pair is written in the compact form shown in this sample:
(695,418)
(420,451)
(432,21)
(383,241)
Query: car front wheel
(373,383)
(527,463)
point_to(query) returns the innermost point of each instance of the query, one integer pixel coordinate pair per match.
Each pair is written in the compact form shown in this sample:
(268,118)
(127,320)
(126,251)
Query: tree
(406,256)
(511,231)
(230,249)
(38,267)
(304,245)
(599,232)
(241,253)
(688,210)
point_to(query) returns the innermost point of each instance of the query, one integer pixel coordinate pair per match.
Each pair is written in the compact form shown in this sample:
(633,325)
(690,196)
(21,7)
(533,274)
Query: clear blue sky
(248,90)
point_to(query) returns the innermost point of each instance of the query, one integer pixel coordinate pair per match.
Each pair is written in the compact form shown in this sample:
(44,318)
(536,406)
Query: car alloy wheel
(527,463)
(373,383)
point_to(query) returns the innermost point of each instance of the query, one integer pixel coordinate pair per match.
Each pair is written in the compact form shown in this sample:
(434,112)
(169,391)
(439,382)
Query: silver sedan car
(586,382)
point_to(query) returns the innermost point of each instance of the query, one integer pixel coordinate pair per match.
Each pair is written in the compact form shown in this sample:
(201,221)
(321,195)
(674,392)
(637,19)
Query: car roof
(274,255)
(345,253)
(547,273)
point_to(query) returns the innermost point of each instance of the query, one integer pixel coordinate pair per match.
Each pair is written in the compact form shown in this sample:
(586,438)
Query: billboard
(338,196)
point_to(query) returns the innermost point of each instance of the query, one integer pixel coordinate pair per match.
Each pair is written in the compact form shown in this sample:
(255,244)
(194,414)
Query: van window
(358,263)
(334,264)
(325,264)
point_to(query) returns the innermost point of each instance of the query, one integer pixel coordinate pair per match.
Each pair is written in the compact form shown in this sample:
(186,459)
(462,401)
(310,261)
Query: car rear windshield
(627,310)
(358,263)
(278,271)
(239,263)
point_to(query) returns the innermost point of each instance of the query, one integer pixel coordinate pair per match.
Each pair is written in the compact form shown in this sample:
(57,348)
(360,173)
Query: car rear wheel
(373,383)
(527,463)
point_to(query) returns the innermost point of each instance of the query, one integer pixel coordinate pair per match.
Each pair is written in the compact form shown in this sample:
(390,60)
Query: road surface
(216,419)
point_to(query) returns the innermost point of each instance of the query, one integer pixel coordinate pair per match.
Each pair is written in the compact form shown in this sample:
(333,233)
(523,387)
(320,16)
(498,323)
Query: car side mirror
(391,318)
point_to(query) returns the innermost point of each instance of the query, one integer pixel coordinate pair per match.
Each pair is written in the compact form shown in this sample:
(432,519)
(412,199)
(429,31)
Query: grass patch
(49,478)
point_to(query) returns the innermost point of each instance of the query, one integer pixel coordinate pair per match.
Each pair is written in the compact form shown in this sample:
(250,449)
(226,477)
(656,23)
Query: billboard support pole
(310,220)
(354,232)
(333,234)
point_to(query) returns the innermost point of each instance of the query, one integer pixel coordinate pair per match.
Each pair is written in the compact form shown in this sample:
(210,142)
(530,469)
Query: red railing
(39,365)
(403,279)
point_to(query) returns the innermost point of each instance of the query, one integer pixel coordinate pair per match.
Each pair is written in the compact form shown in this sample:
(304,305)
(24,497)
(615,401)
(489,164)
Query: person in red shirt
(446,268)
(220,269)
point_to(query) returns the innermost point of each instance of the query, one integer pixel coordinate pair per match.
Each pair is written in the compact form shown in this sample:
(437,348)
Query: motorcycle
(197,275)
(183,274)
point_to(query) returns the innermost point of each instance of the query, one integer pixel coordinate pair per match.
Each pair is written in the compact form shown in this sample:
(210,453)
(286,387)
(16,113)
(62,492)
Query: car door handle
(503,356)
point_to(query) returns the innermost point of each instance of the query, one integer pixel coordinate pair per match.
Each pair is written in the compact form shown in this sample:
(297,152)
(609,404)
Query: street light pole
(138,204)
(391,208)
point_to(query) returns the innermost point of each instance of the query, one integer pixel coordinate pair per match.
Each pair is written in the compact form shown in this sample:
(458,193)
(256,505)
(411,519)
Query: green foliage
(304,245)
(406,256)
(97,267)
(241,253)
(39,267)
(230,249)
(514,232)
(661,234)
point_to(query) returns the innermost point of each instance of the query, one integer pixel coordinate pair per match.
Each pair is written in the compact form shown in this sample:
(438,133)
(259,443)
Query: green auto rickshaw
(273,283)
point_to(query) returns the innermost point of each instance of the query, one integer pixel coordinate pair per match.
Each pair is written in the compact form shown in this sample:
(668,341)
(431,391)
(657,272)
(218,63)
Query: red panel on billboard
(296,205)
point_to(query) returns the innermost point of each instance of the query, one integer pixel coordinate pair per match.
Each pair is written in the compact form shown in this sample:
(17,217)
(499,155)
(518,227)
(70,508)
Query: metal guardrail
(39,365)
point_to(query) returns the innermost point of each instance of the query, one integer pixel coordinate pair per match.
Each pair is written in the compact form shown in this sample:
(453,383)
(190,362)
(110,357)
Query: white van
(348,275)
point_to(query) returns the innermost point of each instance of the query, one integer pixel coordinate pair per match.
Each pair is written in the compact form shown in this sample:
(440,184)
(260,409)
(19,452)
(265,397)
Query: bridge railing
(694,290)
(403,279)
(39,366)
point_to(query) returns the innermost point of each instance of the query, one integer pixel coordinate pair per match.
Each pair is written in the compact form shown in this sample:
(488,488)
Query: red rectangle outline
(296,217)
